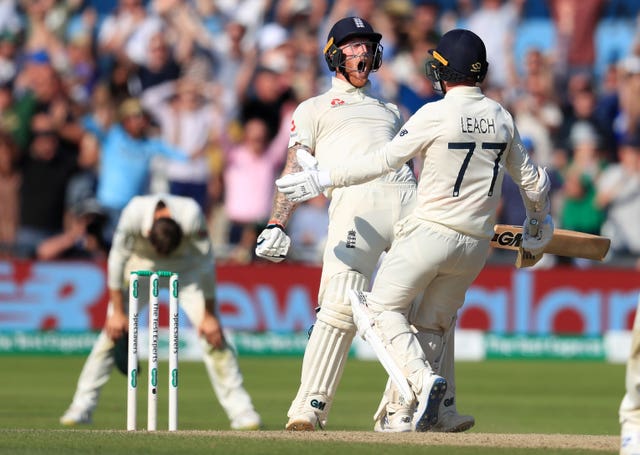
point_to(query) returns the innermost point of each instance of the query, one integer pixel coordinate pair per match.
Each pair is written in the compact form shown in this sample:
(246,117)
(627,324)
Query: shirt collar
(345,87)
(464,90)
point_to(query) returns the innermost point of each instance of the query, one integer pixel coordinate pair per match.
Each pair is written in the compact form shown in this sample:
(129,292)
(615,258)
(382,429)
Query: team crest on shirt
(337,102)
(403,132)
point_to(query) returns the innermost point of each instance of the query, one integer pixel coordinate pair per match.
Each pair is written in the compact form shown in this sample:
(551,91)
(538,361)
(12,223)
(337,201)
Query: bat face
(508,238)
(564,243)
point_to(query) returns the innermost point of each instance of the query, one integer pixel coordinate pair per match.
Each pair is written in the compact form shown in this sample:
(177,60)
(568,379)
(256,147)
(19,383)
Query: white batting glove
(273,243)
(536,233)
(305,185)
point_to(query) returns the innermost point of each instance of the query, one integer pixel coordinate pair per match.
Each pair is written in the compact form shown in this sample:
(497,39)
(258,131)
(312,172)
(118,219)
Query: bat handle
(534,227)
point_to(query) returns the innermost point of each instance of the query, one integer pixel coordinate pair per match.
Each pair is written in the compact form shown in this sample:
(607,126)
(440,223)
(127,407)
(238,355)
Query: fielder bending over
(164,232)
(465,141)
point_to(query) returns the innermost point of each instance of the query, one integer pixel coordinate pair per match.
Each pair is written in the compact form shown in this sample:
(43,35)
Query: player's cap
(463,52)
(350,27)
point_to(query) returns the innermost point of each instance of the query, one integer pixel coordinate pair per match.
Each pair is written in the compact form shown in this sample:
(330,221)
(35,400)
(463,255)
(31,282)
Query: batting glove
(273,243)
(305,185)
(536,233)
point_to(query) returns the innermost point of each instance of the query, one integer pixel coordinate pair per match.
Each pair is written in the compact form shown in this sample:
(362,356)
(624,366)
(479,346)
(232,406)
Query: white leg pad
(327,350)
(380,332)
(322,368)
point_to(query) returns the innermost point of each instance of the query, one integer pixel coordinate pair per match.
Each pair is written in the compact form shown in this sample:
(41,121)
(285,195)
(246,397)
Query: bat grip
(534,227)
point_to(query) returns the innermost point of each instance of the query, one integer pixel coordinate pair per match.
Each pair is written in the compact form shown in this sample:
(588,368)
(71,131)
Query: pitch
(528,407)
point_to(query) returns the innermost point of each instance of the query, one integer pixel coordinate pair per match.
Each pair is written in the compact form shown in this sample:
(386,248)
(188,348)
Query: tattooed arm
(282,207)
(273,243)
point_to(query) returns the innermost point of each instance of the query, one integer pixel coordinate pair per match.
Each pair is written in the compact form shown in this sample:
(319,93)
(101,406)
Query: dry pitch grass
(516,441)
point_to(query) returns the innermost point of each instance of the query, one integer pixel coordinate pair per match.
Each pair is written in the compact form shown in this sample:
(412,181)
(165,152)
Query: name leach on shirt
(477,125)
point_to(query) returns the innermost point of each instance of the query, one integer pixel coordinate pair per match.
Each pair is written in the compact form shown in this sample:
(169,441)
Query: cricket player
(466,141)
(346,121)
(165,232)
(629,411)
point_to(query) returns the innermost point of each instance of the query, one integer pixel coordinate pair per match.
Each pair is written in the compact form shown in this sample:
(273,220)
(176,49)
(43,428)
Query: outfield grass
(504,396)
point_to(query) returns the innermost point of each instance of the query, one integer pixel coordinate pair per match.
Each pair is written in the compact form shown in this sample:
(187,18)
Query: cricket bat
(563,243)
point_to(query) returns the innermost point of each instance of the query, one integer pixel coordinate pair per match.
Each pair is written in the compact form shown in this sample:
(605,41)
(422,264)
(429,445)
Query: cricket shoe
(75,416)
(630,439)
(394,421)
(303,422)
(431,392)
(247,421)
(452,422)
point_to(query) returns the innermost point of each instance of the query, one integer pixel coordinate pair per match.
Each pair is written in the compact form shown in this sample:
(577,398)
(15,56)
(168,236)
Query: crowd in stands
(102,100)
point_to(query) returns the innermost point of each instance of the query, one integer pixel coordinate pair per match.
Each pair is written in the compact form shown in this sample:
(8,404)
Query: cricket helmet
(344,29)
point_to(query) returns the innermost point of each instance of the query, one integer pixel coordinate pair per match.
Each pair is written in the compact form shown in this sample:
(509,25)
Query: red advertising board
(283,297)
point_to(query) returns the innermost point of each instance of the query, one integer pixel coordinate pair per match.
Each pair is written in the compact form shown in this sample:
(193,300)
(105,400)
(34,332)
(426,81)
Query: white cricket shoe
(75,416)
(303,422)
(452,422)
(431,392)
(630,439)
(247,421)
(394,421)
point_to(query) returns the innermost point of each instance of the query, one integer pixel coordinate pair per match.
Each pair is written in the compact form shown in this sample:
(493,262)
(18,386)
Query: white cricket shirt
(465,142)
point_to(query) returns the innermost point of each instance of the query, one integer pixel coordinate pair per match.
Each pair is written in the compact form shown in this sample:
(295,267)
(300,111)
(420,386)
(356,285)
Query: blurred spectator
(84,183)
(235,62)
(536,109)
(101,112)
(125,157)
(411,89)
(251,168)
(10,20)
(9,47)
(15,116)
(9,193)
(82,237)
(266,100)
(618,192)
(81,71)
(190,121)
(308,230)
(120,26)
(579,113)
(46,170)
(158,67)
(39,88)
(498,39)
(45,20)
(291,13)
(580,211)
(76,60)
(576,24)
(627,122)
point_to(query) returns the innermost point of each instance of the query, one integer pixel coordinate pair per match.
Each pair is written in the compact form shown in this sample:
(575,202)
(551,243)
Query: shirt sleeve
(520,166)
(204,261)
(129,226)
(411,140)
(160,147)
(302,130)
